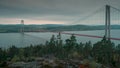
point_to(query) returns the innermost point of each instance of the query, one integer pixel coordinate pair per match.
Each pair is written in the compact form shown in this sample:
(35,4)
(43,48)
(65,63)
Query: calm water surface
(20,40)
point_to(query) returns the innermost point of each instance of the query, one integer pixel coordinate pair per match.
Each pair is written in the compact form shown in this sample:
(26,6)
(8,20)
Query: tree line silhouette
(104,51)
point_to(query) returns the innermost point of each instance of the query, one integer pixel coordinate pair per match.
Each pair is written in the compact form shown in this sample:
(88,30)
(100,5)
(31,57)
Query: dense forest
(104,51)
(51,27)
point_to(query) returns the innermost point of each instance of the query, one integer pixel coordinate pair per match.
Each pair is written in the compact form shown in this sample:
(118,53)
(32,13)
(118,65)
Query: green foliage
(87,49)
(47,66)
(3,55)
(12,51)
(15,58)
(103,51)
(71,44)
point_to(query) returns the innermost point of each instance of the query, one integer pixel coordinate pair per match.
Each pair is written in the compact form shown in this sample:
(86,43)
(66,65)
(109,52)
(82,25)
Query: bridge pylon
(107,22)
(22,27)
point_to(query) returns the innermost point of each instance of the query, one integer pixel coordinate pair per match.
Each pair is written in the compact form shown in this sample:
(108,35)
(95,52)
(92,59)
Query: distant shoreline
(56,31)
(52,28)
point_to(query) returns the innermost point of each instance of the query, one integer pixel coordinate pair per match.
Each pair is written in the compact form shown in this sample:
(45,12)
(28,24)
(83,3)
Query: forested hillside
(51,27)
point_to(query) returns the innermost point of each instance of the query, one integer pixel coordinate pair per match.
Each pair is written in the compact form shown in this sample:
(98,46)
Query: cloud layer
(50,10)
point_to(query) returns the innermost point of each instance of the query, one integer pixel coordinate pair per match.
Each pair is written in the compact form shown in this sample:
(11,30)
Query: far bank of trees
(104,51)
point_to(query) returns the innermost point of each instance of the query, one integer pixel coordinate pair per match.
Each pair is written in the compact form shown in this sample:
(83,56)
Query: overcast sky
(49,11)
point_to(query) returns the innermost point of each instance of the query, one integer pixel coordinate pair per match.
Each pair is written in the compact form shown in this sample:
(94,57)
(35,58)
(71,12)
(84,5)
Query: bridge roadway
(84,35)
(93,36)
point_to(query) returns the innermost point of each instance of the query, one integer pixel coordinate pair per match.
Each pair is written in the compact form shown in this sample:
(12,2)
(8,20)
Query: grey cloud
(51,9)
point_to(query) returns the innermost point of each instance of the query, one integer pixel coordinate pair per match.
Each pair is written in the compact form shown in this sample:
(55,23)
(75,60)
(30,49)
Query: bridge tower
(22,27)
(107,22)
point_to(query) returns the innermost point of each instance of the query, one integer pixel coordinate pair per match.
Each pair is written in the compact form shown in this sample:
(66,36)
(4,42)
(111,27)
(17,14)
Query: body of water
(23,40)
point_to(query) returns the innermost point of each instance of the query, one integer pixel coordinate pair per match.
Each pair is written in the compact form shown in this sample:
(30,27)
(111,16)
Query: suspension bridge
(106,15)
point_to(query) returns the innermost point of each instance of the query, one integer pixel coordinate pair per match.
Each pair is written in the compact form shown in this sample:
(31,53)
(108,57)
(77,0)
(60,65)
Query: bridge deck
(93,36)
